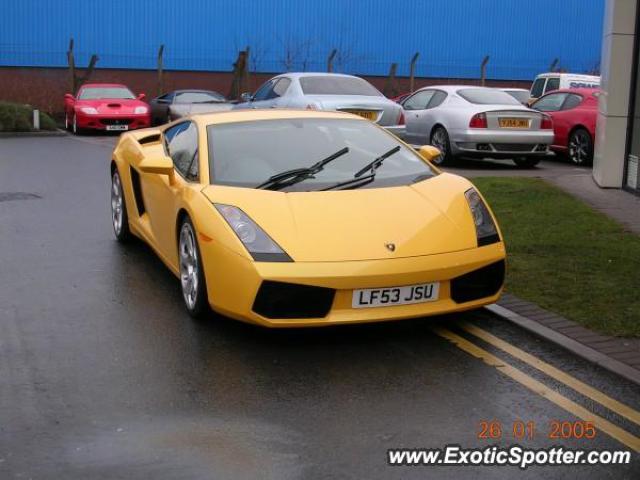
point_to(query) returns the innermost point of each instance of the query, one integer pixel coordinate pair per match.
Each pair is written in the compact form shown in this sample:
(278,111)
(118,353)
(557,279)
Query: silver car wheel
(579,147)
(188,265)
(439,140)
(75,124)
(117,202)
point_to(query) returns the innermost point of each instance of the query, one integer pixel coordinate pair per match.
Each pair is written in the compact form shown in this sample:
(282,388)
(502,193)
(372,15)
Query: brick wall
(44,88)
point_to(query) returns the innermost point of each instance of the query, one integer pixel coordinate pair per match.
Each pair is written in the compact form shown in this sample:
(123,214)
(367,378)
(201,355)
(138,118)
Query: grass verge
(15,117)
(565,256)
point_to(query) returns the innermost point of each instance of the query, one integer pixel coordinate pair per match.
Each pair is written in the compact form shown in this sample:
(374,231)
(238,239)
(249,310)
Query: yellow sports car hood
(425,218)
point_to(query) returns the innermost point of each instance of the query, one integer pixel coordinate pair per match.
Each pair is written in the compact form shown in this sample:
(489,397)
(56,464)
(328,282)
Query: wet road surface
(103,374)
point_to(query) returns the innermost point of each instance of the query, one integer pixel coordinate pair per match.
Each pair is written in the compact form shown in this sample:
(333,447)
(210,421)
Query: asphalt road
(104,376)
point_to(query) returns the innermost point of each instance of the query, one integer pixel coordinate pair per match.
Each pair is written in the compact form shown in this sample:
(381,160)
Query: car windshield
(95,93)
(198,97)
(487,96)
(330,85)
(246,154)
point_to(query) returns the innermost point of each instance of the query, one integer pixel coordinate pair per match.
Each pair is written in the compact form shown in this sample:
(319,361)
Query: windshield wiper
(297,175)
(375,164)
(351,183)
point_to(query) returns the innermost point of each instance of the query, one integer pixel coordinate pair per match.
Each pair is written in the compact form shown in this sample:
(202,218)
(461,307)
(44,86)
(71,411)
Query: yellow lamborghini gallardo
(299,218)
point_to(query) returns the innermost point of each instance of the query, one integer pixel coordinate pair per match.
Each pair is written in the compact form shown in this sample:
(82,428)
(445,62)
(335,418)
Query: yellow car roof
(270,114)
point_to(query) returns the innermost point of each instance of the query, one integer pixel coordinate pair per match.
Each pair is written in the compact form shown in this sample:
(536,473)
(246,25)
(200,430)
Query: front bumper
(101,121)
(501,143)
(234,281)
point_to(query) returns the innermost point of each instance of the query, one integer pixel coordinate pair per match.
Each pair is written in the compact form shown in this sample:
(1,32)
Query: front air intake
(289,300)
(481,283)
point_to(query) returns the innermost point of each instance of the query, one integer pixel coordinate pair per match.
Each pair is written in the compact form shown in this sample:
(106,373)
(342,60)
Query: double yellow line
(519,376)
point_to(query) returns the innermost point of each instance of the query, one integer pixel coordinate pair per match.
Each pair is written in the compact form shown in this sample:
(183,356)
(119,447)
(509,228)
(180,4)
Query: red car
(105,106)
(574,113)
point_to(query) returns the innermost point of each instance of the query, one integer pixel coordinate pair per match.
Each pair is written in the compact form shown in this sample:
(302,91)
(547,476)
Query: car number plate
(383,297)
(513,122)
(368,114)
(118,127)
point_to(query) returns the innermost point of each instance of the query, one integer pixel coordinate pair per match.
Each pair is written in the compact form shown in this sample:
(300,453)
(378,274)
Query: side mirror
(246,97)
(68,96)
(429,152)
(142,96)
(160,165)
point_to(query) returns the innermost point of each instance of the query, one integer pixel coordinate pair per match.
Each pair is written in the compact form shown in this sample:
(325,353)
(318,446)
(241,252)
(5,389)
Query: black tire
(526,162)
(440,139)
(580,147)
(194,297)
(119,215)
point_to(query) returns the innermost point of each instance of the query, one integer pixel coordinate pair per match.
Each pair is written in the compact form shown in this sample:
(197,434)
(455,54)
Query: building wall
(613,109)
(44,88)
(521,37)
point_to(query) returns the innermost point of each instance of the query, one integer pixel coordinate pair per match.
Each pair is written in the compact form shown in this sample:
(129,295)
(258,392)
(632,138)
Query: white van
(545,82)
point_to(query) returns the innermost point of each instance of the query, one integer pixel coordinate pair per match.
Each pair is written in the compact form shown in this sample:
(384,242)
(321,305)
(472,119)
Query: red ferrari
(105,106)
(574,113)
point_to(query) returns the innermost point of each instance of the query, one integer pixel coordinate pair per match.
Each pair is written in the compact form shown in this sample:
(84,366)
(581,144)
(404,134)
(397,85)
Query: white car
(327,91)
(463,120)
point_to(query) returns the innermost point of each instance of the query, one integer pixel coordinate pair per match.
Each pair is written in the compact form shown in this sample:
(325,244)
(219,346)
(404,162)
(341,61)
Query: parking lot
(106,376)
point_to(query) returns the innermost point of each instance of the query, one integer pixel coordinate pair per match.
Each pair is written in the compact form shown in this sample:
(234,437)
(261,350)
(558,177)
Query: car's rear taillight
(546,123)
(479,120)
(401,118)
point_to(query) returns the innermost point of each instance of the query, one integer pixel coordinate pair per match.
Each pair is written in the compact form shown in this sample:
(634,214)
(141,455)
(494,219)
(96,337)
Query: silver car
(477,122)
(328,91)
(181,103)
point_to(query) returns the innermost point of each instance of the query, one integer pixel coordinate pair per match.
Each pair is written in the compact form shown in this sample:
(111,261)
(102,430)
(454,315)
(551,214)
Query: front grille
(288,300)
(481,283)
(115,121)
(512,147)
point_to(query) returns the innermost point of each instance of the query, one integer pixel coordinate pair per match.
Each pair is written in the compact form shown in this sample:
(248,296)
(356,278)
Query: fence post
(412,71)
(160,70)
(554,64)
(332,55)
(390,88)
(36,119)
(483,70)
(72,68)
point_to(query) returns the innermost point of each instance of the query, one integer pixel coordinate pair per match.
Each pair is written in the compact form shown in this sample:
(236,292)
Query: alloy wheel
(579,146)
(188,265)
(117,202)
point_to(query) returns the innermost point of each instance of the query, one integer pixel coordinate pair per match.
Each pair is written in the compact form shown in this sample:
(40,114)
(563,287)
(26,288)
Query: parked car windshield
(246,154)
(95,93)
(329,85)
(198,97)
(487,96)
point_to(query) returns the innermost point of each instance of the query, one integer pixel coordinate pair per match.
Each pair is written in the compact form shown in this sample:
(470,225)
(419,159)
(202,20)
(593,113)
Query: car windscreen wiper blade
(375,164)
(297,175)
(352,183)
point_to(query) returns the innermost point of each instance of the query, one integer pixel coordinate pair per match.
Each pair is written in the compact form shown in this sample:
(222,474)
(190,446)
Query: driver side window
(264,91)
(550,103)
(418,101)
(181,144)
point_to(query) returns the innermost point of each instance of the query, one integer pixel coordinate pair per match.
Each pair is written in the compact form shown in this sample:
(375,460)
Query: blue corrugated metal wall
(521,37)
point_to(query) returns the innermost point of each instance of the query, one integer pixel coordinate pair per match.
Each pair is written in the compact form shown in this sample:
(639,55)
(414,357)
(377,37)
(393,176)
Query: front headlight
(486,231)
(89,110)
(260,245)
(140,110)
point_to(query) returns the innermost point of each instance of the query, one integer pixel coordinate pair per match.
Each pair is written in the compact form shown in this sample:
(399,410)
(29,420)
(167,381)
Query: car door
(277,96)
(161,198)
(551,105)
(565,118)
(415,108)
(263,96)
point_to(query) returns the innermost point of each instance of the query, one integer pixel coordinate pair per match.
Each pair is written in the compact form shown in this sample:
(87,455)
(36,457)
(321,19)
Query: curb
(590,354)
(42,133)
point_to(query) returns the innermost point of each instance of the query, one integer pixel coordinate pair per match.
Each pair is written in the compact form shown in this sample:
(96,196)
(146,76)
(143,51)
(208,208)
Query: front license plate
(118,127)
(383,297)
(513,123)
(368,114)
